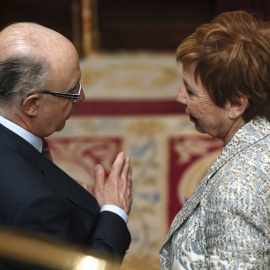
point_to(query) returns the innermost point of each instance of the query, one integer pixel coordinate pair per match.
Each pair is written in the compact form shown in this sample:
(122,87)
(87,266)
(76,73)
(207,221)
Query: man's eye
(76,88)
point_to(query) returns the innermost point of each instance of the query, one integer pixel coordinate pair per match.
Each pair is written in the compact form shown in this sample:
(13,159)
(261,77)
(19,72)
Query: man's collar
(28,136)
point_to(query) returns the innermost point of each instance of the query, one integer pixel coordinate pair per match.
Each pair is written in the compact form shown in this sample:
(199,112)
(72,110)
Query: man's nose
(181,96)
(81,96)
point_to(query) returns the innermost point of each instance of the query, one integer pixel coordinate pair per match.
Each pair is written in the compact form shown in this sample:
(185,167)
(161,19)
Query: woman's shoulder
(246,176)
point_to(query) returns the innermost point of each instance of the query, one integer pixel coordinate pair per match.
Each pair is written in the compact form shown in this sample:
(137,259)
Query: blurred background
(131,79)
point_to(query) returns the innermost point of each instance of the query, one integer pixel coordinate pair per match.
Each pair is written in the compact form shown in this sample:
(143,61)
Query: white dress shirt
(37,143)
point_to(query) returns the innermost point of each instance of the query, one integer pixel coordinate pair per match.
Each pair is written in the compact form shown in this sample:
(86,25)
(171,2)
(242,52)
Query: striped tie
(46,150)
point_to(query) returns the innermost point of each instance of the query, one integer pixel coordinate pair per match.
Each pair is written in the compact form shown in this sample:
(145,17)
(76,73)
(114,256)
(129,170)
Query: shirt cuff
(116,210)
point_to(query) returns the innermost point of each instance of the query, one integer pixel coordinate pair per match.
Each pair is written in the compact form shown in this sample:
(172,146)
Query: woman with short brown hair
(225,223)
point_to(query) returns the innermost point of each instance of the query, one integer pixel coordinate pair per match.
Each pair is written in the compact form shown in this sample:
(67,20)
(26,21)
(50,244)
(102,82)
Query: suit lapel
(180,218)
(192,202)
(58,179)
(69,188)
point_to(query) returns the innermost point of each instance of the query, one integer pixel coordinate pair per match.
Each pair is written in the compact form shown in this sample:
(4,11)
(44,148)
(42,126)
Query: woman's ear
(237,108)
(31,104)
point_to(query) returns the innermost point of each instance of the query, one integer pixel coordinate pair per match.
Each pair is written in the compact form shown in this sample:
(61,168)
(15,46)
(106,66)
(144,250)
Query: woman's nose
(181,96)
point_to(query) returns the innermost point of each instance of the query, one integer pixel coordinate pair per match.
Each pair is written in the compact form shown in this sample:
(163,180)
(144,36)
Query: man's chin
(60,127)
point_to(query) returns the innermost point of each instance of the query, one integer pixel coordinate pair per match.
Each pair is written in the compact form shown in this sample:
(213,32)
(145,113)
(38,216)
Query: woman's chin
(197,126)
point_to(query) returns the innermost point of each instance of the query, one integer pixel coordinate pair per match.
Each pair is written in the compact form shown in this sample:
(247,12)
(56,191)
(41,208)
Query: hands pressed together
(117,189)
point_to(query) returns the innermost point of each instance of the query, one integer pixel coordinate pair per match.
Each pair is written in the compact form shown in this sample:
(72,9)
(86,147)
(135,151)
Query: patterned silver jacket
(225,224)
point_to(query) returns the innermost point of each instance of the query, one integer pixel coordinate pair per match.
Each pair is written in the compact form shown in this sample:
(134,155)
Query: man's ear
(31,105)
(238,107)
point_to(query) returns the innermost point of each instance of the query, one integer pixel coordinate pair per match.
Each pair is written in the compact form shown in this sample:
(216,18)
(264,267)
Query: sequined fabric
(226,222)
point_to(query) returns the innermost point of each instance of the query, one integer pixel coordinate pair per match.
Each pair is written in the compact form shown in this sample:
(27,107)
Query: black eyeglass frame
(59,94)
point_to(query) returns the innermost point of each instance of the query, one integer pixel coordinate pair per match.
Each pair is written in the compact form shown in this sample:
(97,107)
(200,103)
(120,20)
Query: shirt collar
(28,136)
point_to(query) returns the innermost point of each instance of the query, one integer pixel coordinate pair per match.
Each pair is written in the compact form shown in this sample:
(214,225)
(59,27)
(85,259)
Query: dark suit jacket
(37,196)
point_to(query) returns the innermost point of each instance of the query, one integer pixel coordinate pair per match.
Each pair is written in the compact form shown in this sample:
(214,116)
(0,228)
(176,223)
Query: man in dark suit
(39,87)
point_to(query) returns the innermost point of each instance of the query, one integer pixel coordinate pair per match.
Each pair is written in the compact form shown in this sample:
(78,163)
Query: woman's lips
(192,119)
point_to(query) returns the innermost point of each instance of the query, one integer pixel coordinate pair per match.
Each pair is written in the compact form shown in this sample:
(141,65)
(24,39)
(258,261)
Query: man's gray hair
(22,75)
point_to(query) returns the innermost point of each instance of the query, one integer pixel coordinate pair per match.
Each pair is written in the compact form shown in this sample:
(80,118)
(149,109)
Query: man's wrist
(115,209)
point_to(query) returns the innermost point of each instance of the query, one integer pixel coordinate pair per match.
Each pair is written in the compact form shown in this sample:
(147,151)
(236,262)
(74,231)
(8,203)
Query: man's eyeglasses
(63,95)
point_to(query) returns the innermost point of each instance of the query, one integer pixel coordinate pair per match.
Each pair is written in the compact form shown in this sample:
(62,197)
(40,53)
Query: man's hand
(117,189)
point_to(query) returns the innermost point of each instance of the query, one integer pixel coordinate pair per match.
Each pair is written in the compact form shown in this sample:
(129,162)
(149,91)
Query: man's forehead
(26,27)
(30,38)
(30,33)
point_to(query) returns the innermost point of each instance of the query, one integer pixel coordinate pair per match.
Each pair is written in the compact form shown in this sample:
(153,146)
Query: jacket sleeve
(110,229)
(54,216)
